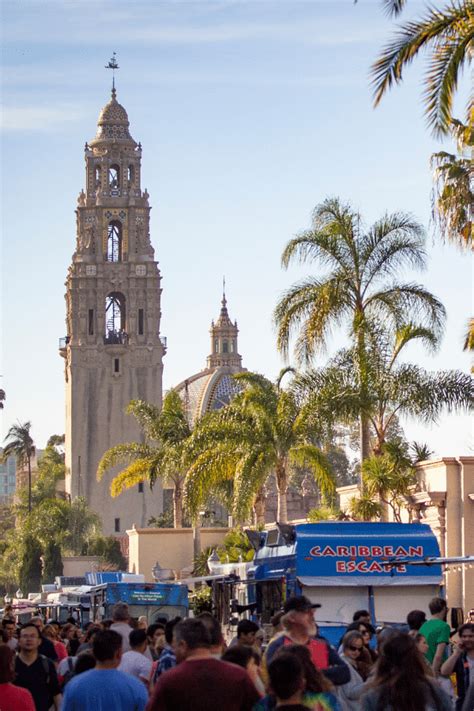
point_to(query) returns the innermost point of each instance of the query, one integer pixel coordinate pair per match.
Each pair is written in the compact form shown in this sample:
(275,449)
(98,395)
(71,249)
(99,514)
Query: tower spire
(113,66)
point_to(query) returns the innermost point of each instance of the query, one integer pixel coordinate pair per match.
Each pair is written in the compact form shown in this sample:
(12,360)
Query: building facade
(7,480)
(113,351)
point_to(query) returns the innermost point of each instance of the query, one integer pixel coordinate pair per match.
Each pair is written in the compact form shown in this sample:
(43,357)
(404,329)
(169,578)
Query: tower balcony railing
(119,338)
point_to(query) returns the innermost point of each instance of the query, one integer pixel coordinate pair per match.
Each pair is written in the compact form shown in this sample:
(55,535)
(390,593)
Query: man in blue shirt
(105,687)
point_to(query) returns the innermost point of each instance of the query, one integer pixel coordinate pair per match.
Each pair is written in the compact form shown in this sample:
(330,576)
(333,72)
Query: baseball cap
(299,603)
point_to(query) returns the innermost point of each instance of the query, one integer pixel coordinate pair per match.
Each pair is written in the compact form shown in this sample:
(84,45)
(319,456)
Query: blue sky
(250,113)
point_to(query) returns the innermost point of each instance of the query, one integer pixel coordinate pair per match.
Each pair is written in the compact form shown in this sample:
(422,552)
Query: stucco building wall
(170,547)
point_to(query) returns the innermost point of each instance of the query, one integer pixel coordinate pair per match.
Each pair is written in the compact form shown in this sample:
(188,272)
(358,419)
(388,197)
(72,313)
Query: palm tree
(259,434)
(160,455)
(335,392)
(448,35)
(362,284)
(20,444)
(453,193)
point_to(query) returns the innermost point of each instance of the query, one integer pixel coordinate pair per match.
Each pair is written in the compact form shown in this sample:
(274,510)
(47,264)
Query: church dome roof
(113,124)
(113,113)
(208,390)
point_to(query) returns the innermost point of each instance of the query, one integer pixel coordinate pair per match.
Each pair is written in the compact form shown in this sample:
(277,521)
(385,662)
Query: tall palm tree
(161,455)
(20,444)
(259,434)
(395,389)
(362,284)
(448,35)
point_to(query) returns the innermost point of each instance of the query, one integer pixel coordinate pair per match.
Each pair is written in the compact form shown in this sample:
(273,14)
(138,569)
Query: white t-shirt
(136,664)
(124,631)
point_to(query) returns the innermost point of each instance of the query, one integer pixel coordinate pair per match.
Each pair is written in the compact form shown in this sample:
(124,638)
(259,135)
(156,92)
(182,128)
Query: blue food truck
(344,566)
(153,600)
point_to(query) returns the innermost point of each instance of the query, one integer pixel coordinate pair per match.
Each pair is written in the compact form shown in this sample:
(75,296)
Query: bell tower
(113,351)
(224,346)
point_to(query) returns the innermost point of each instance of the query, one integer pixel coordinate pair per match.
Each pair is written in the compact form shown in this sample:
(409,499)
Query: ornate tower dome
(214,387)
(113,124)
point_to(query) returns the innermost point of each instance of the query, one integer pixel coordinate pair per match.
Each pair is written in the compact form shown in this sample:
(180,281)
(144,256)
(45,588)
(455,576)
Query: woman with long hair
(318,692)
(401,681)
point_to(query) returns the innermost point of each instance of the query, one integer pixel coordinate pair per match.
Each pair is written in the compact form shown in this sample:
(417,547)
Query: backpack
(69,674)
(45,664)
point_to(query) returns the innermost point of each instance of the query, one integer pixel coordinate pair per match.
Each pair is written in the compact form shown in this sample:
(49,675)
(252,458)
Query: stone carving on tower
(113,351)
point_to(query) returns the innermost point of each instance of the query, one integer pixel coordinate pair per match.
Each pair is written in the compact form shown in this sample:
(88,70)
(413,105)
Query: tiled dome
(113,124)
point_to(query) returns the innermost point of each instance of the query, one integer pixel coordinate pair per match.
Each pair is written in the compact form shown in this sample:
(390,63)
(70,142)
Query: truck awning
(362,580)
(353,553)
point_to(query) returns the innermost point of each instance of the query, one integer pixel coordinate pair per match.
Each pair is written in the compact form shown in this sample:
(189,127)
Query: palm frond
(121,454)
(307,455)
(436,29)
(441,80)
(136,472)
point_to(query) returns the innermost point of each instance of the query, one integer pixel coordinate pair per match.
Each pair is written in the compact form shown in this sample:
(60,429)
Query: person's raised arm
(449,665)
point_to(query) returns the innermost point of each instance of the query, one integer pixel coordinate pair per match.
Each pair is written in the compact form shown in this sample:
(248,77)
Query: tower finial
(223,290)
(113,66)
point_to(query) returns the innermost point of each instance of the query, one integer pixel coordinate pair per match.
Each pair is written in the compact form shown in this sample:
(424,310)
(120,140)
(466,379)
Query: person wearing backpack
(35,672)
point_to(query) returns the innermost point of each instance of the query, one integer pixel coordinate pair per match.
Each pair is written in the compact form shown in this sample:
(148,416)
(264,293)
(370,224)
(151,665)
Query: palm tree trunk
(259,508)
(196,537)
(282,487)
(29,484)
(365,448)
(177,506)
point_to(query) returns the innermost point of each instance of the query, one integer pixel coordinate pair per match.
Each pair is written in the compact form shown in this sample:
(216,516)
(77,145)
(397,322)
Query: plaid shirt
(166,661)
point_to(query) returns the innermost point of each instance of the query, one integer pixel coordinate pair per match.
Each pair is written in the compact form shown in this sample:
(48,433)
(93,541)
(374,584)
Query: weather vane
(113,66)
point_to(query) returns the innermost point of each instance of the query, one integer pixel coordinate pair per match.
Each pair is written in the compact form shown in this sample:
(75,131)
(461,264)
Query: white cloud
(38,118)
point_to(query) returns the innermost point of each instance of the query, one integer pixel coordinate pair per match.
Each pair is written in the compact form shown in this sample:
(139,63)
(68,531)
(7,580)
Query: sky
(250,113)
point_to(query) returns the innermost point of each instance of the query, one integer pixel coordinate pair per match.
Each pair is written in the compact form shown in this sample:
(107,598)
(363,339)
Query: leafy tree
(53,562)
(20,444)
(447,34)
(160,455)
(107,548)
(83,527)
(388,479)
(260,433)
(30,571)
(362,285)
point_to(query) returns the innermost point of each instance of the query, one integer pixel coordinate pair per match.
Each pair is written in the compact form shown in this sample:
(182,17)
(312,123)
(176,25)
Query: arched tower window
(97,176)
(115,318)
(130,175)
(225,347)
(216,345)
(114,241)
(114,177)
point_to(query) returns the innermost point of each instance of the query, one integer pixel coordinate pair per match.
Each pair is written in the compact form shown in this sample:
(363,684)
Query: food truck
(344,566)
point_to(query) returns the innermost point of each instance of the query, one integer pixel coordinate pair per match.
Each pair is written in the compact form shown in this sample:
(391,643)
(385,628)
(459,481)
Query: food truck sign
(365,549)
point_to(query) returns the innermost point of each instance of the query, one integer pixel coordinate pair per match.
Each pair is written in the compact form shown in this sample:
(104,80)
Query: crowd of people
(185,664)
